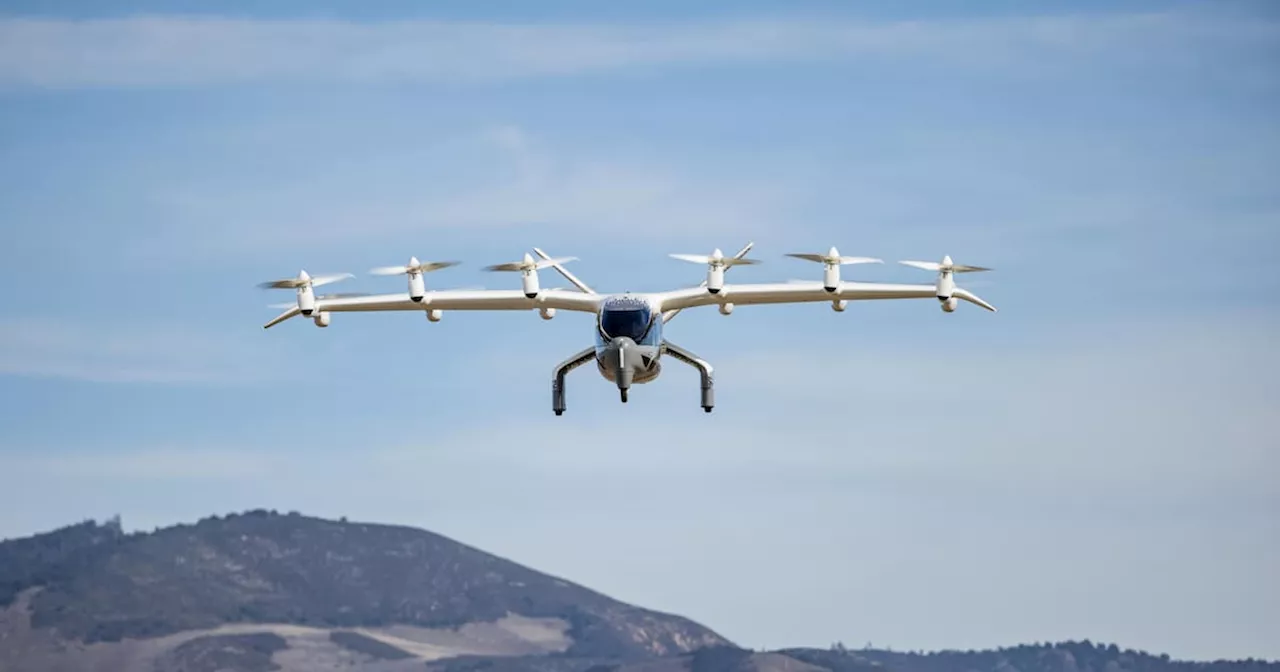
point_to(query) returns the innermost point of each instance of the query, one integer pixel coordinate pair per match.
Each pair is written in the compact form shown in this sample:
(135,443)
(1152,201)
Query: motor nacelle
(716,264)
(839,306)
(321,319)
(949,303)
(434,315)
(726,308)
(546,313)
(715,279)
(530,284)
(417,286)
(306,300)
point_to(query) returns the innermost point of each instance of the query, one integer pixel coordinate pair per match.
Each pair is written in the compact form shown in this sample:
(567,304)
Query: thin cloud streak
(148,352)
(190,51)
(522,182)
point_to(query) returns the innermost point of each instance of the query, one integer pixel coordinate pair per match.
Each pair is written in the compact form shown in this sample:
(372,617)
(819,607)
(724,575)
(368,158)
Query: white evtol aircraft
(628,334)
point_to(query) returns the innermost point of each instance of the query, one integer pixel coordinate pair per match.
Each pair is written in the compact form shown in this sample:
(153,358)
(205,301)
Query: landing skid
(588,354)
(562,369)
(703,367)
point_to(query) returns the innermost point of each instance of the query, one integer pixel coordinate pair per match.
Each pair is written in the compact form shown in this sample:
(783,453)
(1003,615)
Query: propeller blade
(303,280)
(413,266)
(318,280)
(833,257)
(288,283)
(946,265)
(718,260)
(528,264)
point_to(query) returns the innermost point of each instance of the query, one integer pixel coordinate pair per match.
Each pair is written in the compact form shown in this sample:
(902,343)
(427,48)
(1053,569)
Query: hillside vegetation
(265,592)
(100,585)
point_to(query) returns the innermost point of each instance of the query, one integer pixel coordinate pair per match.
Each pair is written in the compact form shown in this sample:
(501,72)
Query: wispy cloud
(145,352)
(503,177)
(183,51)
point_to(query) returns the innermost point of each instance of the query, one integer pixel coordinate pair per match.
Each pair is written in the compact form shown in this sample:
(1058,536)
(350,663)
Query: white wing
(453,299)
(804,292)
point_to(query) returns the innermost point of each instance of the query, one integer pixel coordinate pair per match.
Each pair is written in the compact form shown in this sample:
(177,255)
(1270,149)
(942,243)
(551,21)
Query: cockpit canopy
(631,319)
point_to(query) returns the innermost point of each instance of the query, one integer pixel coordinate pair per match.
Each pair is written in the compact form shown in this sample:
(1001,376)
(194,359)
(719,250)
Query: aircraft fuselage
(628,340)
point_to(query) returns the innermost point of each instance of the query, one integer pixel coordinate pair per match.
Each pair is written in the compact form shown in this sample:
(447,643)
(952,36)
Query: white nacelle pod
(417,286)
(726,308)
(949,305)
(321,319)
(715,279)
(306,299)
(547,313)
(831,277)
(530,282)
(434,315)
(839,306)
(946,285)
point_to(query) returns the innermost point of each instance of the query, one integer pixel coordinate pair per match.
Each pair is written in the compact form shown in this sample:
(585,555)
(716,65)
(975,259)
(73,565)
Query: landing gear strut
(703,367)
(561,370)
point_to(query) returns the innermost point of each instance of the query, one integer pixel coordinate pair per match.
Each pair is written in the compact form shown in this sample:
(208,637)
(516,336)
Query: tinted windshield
(629,322)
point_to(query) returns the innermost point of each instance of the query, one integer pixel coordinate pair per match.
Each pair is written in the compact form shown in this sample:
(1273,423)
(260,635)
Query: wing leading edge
(805,292)
(453,299)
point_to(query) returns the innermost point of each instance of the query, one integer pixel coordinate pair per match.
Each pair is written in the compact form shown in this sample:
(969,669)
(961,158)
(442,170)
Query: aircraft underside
(640,377)
(624,364)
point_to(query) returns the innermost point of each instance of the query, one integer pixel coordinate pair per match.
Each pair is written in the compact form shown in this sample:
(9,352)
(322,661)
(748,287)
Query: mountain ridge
(261,591)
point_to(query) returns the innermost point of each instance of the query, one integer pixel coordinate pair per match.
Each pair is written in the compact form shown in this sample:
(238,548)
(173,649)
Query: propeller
(530,267)
(833,258)
(716,259)
(414,269)
(414,266)
(304,280)
(668,315)
(946,289)
(529,264)
(832,262)
(946,266)
(304,285)
(716,263)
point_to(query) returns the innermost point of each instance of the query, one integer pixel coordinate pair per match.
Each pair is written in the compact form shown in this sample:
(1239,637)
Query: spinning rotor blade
(833,256)
(716,258)
(670,314)
(414,266)
(944,267)
(303,280)
(528,264)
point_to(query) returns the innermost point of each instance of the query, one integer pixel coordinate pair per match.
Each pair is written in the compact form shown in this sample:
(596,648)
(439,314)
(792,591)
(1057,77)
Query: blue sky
(1097,460)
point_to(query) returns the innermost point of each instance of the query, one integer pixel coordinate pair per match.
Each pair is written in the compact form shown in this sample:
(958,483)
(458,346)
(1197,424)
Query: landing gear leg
(562,369)
(624,373)
(703,367)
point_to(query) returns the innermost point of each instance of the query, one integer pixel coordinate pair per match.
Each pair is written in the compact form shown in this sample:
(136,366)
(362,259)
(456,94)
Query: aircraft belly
(642,376)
